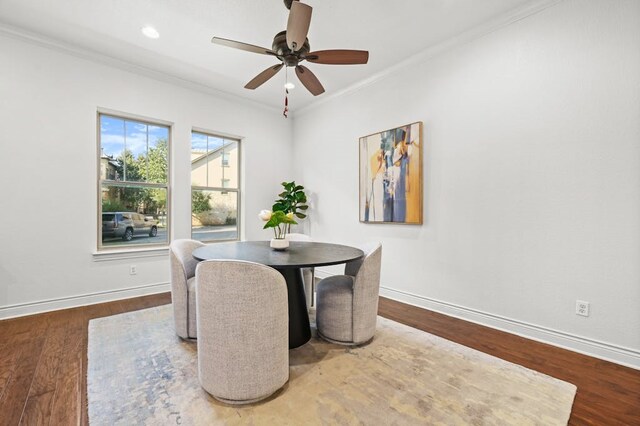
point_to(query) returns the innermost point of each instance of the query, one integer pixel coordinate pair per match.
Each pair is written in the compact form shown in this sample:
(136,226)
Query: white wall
(531,177)
(48,103)
(532,152)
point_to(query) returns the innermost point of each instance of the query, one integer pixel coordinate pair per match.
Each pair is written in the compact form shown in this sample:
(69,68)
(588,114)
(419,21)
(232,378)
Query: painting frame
(399,164)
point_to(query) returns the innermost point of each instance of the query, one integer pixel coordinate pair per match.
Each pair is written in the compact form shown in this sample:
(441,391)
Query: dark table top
(298,255)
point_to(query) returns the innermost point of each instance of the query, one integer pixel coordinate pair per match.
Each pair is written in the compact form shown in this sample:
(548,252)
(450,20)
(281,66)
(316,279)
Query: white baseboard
(30,308)
(584,345)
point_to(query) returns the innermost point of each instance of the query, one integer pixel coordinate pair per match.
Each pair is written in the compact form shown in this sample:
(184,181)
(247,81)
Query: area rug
(140,373)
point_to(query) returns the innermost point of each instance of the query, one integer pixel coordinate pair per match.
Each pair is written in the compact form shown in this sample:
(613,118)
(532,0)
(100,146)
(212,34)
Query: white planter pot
(279,244)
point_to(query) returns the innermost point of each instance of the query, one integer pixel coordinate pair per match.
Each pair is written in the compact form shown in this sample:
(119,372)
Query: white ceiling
(391,30)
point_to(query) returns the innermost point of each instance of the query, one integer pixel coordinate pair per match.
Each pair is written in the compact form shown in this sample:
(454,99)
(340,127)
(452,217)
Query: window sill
(118,254)
(233,240)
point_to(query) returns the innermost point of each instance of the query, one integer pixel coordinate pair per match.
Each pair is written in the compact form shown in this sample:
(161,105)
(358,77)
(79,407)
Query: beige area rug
(140,373)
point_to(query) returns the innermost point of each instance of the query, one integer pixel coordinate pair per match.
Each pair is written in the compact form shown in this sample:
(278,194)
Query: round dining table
(289,263)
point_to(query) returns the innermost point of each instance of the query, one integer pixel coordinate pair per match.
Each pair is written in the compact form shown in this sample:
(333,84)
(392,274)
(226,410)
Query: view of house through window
(134,182)
(215,172)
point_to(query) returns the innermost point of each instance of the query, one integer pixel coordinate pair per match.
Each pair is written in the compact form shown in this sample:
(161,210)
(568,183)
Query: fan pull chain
(286,103)
(286,92)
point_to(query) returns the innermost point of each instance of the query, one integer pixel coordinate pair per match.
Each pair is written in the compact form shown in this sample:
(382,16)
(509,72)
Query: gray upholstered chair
(183,294)
(308,274)
(243,330)
(347,305)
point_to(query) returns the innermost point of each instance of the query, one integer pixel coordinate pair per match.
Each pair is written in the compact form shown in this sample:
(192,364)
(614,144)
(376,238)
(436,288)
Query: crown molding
(463,38)
(475,33)
(101,58)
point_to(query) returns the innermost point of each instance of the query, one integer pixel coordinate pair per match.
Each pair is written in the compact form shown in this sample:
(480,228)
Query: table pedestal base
(299,327)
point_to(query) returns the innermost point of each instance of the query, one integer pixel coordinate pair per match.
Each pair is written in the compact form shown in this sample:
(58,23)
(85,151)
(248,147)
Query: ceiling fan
(291,47)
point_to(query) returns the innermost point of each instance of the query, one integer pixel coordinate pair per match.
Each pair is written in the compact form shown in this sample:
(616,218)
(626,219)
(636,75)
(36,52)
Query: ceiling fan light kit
(291,47)
(150,32)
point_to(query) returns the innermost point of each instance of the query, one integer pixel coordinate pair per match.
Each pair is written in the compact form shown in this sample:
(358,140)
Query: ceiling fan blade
(338,57)
(298,25)
(242,46)
(309,80)
(262,78)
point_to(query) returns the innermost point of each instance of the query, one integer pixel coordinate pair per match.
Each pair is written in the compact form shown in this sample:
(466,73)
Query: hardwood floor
(608,394)
(43,363)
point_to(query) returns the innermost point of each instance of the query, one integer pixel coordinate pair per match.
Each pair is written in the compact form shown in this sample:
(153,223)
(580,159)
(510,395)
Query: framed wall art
(391,176)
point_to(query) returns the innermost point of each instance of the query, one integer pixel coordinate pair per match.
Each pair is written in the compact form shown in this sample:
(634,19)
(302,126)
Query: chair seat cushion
(191,320)
(334,312)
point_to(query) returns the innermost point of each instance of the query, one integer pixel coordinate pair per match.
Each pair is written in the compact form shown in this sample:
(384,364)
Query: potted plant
(292,200)
(280,222)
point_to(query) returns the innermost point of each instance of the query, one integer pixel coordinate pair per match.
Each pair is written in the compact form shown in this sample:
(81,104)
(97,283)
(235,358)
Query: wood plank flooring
(43,363)
(608,394)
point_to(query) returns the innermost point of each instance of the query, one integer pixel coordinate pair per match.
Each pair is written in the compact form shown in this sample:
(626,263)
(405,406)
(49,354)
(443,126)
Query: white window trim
(238,190)
(130,253)
(134,251)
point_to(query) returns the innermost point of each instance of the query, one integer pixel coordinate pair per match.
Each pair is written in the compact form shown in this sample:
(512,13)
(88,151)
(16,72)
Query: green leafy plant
(112,206)
(279,221)
(292,200)
(200,202)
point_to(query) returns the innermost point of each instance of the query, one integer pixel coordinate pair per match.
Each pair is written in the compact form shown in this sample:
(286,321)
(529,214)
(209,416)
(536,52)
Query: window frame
(132,184)
(220,189)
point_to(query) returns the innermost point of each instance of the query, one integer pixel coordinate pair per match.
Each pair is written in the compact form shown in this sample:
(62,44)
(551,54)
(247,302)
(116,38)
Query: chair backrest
(243,328)
(293,236)
(181,252)
(366,290)
(183,266)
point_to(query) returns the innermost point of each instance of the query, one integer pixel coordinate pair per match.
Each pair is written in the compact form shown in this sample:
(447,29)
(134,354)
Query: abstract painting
(391,176)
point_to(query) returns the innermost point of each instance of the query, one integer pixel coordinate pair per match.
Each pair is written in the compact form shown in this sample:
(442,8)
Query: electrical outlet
(582,308)
(133,270)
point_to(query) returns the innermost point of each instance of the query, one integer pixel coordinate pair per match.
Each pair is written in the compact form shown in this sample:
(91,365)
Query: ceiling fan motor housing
(289,57)
(287,3)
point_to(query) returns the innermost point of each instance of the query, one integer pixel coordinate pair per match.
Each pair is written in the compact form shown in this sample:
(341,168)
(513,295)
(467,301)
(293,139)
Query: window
(215,173)
(133,182)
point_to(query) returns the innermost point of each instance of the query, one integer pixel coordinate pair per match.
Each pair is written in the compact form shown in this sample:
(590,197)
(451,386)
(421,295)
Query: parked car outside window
(127,225)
